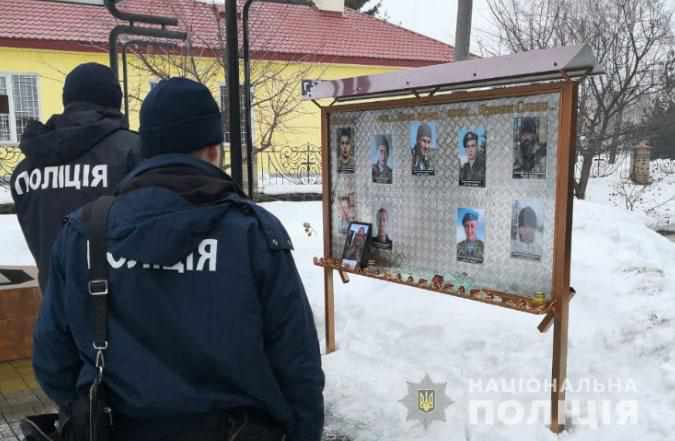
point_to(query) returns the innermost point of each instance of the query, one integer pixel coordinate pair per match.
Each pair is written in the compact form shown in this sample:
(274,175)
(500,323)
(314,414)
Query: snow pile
(5,196)
(622,342)
(13,248)
(621,338)
(656,200)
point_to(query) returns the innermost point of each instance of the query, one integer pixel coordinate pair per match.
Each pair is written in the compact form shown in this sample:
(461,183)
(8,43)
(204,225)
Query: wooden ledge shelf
(488,296)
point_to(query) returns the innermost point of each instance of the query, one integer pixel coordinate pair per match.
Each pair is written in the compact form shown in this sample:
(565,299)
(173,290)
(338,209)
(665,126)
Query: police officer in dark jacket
(73,159)
(210,330)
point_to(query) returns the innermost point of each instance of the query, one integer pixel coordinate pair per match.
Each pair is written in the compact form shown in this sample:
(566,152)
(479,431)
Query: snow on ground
(622,336)
(621,333)
(13,248)
(283,188)
(657,200)
(5,195)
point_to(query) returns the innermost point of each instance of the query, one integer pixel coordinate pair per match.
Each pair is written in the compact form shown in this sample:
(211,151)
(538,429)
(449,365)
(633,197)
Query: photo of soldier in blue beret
(470,235)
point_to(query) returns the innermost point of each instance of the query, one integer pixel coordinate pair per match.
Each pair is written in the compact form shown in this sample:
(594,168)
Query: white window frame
(9,85)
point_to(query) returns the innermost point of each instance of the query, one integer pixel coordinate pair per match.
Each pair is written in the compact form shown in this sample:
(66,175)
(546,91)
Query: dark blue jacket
(72,159)
(207,310)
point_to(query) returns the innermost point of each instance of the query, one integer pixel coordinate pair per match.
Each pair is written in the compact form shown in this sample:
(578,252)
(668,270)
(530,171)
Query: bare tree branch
(632,41)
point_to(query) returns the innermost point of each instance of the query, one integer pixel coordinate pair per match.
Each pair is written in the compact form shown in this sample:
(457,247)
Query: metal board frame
(557,311)
(528,66)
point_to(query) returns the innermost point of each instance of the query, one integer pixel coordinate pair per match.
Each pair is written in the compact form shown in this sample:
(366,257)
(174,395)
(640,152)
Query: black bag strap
(96,216)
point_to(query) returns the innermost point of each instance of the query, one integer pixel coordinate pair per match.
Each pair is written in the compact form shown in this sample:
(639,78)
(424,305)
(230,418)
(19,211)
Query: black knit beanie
(179,116)
(92,83)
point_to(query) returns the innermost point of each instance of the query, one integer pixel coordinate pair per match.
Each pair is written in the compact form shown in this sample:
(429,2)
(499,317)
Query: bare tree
(276,100)
(633,43)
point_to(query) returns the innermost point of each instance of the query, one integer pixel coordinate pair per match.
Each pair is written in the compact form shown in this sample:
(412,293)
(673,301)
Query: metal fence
(288,169)
(10,155)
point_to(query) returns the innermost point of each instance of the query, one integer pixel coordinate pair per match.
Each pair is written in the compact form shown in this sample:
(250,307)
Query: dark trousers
(234,425)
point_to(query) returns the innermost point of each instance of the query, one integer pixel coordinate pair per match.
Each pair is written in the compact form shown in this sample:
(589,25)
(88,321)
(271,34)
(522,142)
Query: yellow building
(40,42)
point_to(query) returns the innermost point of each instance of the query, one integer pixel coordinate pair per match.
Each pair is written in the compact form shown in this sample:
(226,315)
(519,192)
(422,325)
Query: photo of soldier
(346,211)
(472,155)
(470,225)
(355,245)
(382,240)
(529,147)
(345,138)
(423,141)
(380,157)
(526,230)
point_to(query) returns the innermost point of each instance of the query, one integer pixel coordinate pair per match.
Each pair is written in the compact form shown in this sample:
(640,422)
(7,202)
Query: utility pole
(233,91)
(463,29)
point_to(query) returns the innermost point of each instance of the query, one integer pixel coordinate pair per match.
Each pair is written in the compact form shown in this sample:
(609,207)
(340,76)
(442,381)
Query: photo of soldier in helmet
(526,230)
(423,146)
(529,147)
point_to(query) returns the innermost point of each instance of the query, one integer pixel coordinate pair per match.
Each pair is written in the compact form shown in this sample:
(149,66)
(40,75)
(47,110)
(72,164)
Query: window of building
(24,105)
(224,106)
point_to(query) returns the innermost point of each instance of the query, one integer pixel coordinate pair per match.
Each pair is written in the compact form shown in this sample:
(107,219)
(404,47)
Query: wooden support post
(329,302)
(344,276)
(329,293)
(559,375)
(546,323)
(562,251)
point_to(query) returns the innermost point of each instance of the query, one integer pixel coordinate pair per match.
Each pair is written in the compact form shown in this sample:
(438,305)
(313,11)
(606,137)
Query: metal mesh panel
(422,210)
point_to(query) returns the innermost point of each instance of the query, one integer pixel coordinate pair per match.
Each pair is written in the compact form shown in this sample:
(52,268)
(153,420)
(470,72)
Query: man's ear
(213,153)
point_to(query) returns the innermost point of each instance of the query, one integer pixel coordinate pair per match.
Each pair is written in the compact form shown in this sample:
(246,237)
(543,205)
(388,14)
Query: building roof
(278,31)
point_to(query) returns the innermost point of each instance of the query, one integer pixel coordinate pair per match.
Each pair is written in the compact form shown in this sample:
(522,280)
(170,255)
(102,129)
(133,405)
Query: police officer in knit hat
(72,159)
(211,333)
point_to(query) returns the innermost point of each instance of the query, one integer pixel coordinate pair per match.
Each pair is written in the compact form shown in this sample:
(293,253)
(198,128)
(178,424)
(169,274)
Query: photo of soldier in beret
(472,154)
(470,235)
(380,157)
(423,143)
(345,163)
(527,229)
(529,147)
